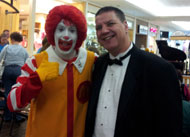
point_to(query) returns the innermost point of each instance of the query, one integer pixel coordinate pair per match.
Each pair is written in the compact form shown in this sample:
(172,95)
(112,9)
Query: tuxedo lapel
(101,70)
(98,76)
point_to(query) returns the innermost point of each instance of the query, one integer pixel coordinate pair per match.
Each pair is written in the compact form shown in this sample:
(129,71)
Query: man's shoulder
(150,57)
(151,62)
(102,57)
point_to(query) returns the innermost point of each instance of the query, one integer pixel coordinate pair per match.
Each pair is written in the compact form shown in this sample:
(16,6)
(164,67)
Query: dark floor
(18,129)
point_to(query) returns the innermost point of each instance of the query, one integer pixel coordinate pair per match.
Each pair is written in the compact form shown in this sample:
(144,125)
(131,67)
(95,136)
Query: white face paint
(65,37)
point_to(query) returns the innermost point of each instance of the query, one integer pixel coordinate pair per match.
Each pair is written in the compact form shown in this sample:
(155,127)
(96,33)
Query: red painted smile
(65,45)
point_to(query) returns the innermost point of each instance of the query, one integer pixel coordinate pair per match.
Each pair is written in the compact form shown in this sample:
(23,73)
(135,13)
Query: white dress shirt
(109,97)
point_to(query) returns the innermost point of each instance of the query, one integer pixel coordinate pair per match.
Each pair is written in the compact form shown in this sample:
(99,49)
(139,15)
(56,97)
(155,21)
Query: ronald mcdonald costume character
(56,81)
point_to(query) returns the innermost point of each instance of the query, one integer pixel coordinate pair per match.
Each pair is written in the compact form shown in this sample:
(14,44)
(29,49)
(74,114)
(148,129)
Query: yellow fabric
(48,70)
(48,113)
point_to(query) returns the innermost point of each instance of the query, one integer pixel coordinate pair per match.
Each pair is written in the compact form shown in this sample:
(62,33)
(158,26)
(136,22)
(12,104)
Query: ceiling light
(66,1)
(158,8)
(148,5)
(183,24)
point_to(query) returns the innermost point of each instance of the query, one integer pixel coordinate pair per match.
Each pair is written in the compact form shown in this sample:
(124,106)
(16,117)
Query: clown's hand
(48,70)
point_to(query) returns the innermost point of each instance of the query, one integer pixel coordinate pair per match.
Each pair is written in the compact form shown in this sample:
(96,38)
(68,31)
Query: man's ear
(126,26)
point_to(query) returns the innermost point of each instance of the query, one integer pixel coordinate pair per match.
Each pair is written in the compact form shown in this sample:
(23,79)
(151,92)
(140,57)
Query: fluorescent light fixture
(158,8)
(183,24)
(148,5)
(66,1)
(69,1)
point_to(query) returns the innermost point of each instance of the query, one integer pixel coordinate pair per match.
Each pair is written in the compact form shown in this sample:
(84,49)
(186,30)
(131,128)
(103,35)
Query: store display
(91,40)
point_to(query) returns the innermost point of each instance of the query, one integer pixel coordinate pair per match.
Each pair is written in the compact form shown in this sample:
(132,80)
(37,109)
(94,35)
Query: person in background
(185,93)
(7,33)
(57,81)
(15,57)
(186,118)
(3,41)
(24,42)
(45,45)
(134,93)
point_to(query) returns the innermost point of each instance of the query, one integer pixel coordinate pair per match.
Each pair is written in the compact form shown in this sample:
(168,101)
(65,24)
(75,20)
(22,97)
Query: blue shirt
(14,55)
(1,47)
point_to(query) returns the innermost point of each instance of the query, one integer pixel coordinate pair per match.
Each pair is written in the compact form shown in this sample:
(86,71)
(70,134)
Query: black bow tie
(119,61)
(114,61)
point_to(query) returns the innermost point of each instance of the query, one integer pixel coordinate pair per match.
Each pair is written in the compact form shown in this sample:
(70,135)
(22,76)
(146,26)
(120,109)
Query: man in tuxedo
(134,93)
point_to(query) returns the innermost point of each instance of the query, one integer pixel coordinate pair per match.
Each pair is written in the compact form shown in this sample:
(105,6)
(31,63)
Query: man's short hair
(5,30)
(119,13)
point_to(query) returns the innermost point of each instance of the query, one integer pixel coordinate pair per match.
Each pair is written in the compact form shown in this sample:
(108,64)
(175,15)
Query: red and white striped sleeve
(27,87)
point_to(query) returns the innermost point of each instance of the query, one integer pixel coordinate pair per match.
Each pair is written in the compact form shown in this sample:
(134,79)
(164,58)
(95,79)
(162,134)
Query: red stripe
(22,80)
(9,103)
(70,100)
(27,68)
(34,62)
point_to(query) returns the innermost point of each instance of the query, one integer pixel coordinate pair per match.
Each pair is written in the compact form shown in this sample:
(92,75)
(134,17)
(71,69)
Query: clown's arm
(29,83)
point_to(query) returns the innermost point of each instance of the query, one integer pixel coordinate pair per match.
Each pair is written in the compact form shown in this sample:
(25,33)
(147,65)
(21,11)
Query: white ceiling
(158,12)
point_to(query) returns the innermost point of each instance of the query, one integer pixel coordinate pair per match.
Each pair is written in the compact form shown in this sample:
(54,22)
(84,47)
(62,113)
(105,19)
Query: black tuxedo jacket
(150,101)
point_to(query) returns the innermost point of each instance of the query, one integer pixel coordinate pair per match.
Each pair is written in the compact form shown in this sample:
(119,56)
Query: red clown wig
(70,13)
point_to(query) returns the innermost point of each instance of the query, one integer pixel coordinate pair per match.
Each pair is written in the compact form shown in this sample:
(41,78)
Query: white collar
(79,63)
(121,54)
